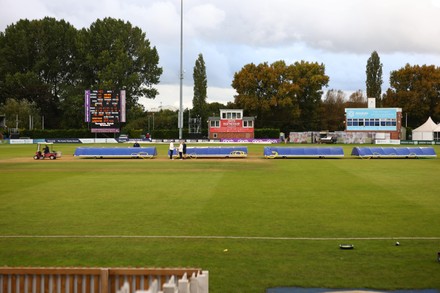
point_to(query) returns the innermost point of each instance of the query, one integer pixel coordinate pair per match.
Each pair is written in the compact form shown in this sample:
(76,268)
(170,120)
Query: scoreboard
(104,110)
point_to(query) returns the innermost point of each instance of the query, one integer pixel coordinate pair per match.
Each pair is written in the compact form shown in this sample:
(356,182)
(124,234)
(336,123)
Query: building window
(231,114)
(214,135)
(248,123)
(215,123)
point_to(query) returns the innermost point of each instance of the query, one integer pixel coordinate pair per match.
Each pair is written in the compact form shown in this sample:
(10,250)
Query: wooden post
(104,280)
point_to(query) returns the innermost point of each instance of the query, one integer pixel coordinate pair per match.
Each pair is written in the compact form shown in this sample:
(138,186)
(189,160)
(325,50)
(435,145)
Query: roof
(428,126)
(215,118)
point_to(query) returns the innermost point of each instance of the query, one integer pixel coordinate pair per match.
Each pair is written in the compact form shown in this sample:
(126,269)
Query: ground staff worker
(171,150)
(181,150)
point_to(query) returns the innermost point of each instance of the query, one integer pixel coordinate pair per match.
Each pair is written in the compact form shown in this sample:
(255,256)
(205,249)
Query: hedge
(267,133)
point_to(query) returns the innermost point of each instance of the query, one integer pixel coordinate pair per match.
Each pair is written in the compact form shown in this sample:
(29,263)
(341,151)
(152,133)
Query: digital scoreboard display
(105,110)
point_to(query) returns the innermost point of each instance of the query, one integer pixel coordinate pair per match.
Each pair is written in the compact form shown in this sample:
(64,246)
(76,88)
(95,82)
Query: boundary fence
(100,280)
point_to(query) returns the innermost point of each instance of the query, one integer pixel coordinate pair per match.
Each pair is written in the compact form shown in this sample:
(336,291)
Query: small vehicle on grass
(326,137)
(123,138)
(45,150)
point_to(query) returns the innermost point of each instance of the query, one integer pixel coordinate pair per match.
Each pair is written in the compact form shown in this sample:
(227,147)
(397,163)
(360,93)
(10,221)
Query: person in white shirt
(171,150)
(181,150)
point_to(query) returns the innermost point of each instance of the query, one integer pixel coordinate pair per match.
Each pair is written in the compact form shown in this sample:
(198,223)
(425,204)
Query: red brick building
(231,124)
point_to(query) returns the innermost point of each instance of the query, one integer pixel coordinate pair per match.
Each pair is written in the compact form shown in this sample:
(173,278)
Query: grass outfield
(281,221)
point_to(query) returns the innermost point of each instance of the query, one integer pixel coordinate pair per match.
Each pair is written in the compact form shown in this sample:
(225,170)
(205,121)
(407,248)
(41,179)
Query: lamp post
(180,120)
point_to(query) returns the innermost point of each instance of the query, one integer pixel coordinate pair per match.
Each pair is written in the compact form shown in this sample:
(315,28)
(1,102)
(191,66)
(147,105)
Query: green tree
(267,92)
(18,112)
(374,77)
(38,59)
(166,119)
(50,63)
(200,89)
(72,106)
(415,89)
(310,79)
(115,55)
(213,109)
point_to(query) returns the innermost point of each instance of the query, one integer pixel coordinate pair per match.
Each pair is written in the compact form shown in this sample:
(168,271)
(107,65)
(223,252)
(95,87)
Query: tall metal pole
(181,71)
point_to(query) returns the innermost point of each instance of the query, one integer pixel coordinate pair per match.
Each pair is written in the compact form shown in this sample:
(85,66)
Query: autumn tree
(374,77)
(332,110)
(415,89)
(357,100)
(279,95)
(200,89)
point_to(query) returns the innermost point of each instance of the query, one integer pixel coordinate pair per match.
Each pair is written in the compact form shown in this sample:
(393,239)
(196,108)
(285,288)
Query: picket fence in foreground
(103,280)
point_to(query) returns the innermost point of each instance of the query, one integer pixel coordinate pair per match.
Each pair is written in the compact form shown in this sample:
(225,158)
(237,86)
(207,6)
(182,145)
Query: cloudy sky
(341,34)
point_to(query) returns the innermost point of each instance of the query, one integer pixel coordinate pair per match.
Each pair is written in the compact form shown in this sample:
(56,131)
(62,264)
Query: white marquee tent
(437,132)
(425,131)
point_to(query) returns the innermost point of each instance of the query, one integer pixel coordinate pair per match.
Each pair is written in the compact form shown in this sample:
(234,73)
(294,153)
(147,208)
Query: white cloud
(170,97)
(203,19)
(230,34)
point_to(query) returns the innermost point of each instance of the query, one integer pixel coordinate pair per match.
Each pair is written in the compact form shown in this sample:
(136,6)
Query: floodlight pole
(181,72)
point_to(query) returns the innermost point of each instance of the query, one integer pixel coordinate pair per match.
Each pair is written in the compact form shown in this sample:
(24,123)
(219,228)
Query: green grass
(388,200)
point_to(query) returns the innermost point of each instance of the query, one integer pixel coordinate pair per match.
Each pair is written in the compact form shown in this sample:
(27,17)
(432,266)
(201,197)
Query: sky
(341,34)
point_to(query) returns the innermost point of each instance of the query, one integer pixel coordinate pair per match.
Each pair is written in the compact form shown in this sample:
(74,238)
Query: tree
(356,100)
(166,119)
(50,63)
(200,89)
(374,77)
(213,109)
(18,112)
(267,92)
(332,111)
(281,96)
(310,79)
(115,55)
(38,59)
(415,89)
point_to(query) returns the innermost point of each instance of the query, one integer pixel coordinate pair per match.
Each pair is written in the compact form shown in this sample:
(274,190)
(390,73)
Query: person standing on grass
(184,149)
(181,150)
(171,150)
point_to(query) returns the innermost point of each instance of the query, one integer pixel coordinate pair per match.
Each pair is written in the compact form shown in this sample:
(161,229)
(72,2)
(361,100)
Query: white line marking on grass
(221,237)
